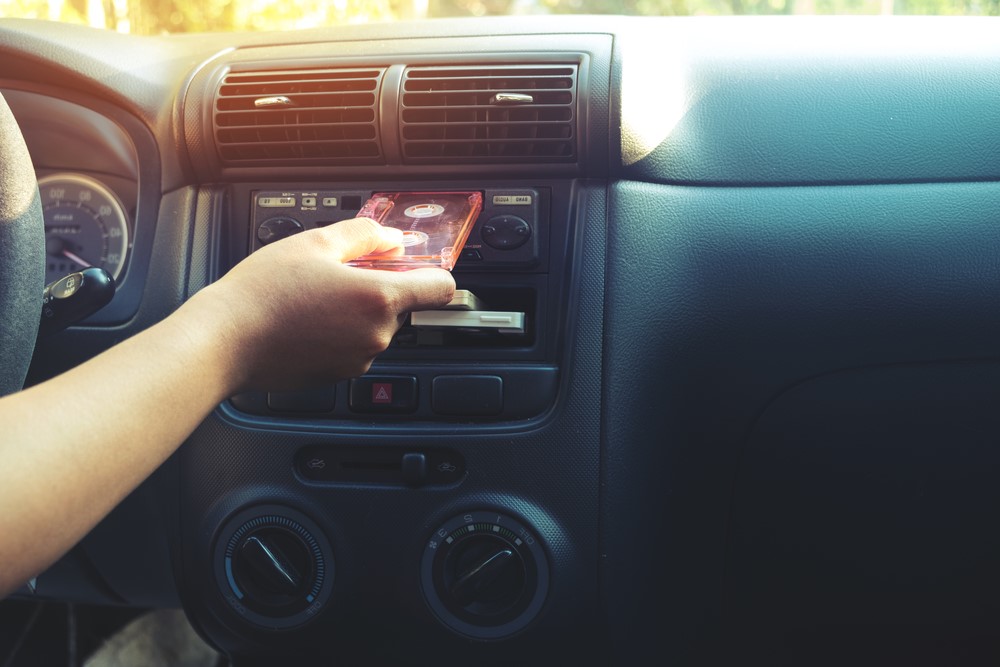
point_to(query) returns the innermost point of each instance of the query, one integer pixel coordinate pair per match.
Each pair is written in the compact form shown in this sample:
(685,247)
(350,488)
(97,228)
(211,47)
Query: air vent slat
(236,92)
(451,114)
(496,123)
(335,147)
(513,140)
(499,71)
(300,117)
(305,127)
(278,134)
(301,101)
(481,99)
(289,116)
(483,107)
(303,75)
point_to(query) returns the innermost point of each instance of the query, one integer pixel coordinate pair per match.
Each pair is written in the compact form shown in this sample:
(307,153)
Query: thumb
(421,289)
(356,237)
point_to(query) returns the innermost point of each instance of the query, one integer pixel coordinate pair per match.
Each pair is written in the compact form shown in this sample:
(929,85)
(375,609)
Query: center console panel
(444,507)
(444,503)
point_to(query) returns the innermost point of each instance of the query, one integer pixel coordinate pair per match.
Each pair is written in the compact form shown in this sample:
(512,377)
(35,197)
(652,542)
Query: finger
(422,289)
(396,251)
(356,237)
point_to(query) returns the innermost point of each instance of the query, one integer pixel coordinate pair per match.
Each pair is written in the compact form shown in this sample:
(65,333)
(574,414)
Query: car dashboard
(748,410)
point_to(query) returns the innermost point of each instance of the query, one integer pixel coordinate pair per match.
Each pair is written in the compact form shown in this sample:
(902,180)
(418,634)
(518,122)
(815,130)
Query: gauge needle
(76,258)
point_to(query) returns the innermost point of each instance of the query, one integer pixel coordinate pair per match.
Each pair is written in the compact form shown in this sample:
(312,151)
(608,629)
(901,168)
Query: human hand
(292,314)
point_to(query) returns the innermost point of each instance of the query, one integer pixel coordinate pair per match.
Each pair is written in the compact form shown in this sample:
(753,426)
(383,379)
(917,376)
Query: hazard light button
(389,394)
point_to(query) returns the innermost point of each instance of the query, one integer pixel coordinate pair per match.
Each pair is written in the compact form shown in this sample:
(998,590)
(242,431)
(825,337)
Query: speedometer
(85,225)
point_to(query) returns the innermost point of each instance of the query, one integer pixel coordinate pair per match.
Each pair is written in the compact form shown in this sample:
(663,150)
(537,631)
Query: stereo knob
(275,229)
(505,232)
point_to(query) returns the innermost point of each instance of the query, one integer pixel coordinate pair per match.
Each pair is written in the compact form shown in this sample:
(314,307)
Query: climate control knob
(273,567)
(485,575)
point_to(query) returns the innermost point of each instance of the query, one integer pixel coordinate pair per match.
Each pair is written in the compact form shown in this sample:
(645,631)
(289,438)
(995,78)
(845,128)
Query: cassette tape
(435,226)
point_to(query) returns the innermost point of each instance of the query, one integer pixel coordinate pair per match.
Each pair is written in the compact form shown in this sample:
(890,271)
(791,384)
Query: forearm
(74,446)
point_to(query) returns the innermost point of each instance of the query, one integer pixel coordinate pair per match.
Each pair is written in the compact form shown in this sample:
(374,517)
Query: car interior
(725,389)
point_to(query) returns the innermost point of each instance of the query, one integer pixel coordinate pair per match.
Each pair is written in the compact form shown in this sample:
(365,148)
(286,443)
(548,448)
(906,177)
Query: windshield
(151,17)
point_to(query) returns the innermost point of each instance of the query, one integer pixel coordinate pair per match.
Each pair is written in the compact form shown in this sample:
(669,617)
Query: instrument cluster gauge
(85,225)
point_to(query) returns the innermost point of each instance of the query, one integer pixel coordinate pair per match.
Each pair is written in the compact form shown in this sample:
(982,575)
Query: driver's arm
(289,315)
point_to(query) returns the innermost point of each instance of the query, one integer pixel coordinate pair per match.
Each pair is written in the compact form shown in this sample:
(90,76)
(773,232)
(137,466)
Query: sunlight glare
(655,98)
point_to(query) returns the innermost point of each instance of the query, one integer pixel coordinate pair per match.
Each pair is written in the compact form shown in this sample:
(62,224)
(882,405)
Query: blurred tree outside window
(153,17)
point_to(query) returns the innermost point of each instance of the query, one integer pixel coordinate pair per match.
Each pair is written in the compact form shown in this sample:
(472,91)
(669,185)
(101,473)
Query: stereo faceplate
(509,233)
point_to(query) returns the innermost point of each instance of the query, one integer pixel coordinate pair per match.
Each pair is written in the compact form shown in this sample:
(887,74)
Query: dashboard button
(467,395)
(310,400)
(251,402)
(414,468)
(384,394)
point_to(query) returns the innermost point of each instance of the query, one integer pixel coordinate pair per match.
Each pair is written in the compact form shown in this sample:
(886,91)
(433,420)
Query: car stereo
(490,355)
(509,232)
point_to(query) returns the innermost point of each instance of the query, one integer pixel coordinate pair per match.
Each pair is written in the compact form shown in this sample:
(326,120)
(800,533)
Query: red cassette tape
(435,226)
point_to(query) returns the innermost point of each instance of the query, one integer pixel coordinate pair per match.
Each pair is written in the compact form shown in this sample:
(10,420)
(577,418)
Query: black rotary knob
(272,564)
(505,232)
(485,575)
(273,567)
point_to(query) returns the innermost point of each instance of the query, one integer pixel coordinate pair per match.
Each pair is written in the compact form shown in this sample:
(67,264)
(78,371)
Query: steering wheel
(22,255)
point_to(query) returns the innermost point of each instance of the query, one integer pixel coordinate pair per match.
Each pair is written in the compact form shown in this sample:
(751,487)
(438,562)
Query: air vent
(516,113)
(299,116)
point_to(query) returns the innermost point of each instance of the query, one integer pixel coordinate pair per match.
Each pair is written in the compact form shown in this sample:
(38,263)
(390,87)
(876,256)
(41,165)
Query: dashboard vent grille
(299,116)
(509,113)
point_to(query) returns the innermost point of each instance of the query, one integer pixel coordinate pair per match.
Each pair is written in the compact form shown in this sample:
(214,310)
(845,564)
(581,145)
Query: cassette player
(508,232)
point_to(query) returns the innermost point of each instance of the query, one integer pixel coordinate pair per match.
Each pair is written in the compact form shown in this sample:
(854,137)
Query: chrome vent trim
(299,116)
(489,114)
